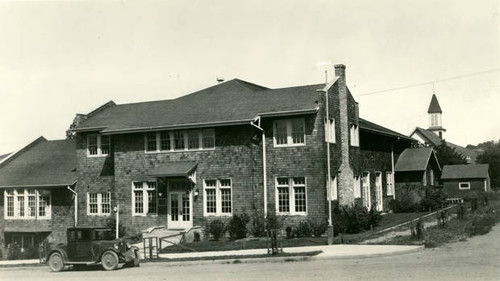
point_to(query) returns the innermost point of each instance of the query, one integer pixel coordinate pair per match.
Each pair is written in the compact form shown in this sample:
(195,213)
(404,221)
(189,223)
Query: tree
(491,156)
(448,155)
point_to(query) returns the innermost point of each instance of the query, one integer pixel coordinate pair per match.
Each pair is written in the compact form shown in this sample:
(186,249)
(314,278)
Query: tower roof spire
(434,106)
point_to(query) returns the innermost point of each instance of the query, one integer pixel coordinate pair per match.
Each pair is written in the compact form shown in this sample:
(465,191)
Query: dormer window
(98,145)
(289,132)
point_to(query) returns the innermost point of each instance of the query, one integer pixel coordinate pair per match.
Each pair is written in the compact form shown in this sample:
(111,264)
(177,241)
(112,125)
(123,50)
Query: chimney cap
(339,65)
(220,79)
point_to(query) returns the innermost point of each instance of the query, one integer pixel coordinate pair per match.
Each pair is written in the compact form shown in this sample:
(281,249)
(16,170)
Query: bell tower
(435,118)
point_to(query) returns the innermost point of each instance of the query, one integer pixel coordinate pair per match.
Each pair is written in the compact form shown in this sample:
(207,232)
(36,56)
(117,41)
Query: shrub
(133,238)
(273,221)
(237,226)
(14,251)
(196,236)
(354,219)
(434,199)
(258,227)
(374,217)
(289,232)
(480,224)
(216,229)
(304,229)
(319,228)
(111,223)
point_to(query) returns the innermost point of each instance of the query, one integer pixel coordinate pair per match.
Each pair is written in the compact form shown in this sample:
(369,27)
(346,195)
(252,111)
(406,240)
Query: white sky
(62,58)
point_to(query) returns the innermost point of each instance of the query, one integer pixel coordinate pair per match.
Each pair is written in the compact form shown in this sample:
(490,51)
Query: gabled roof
(375,128)
(44,163)
(434,140)
(415,159)
(232,102)
(3,156)
(465,171)
(434,106)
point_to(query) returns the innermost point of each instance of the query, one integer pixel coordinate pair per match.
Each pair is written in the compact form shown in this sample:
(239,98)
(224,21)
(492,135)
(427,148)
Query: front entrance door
(179,210)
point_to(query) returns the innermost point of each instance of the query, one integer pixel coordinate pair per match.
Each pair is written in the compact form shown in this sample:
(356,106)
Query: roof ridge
(25,148)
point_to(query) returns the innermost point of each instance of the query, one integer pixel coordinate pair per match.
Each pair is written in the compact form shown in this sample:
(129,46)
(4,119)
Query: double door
(180,209)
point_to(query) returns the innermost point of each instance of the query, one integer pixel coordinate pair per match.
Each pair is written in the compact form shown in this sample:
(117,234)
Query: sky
(60,58)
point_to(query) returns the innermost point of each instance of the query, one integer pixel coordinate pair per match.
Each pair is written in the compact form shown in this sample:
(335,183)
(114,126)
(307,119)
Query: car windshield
(104,234)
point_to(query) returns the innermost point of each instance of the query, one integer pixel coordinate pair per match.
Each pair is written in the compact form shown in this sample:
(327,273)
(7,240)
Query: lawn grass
(236,257)
(478,222)
(226,244)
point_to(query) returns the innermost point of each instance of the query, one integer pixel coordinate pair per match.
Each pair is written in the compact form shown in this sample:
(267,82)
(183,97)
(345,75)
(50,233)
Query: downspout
(264,160)
(76,205)
(328,167)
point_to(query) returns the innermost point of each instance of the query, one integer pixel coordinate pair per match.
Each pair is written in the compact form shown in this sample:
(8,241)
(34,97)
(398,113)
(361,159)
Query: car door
(79,245)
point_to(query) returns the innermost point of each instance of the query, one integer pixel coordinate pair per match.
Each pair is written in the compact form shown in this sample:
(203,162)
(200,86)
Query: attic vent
(220,80)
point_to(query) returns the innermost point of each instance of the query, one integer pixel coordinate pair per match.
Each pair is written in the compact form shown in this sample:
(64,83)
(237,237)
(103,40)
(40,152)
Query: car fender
(62,252)
(109,249)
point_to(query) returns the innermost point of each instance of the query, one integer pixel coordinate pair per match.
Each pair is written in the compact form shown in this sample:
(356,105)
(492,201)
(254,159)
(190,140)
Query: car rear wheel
(109,260)
(56,262)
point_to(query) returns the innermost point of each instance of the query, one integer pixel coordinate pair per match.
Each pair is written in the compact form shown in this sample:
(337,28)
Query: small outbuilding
(459,180)
(416,169)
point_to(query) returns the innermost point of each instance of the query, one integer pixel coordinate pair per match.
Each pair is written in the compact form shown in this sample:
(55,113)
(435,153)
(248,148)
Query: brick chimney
(345,174)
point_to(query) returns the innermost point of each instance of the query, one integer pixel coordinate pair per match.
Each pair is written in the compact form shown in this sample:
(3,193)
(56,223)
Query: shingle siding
(53,229)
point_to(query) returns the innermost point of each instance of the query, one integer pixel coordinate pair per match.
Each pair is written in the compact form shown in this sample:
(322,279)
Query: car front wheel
(56,262)
(109,260)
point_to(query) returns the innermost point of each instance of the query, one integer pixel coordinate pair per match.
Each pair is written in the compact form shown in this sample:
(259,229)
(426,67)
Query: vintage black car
(88,246)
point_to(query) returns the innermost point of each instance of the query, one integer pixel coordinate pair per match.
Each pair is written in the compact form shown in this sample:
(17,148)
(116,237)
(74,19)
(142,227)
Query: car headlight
(116,246)
(129,245)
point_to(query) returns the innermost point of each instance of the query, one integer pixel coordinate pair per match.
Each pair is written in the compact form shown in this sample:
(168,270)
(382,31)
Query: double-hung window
(333,189)
(357,187)
(24,203)
(389,179)
(330,130)
(98,204)
(144,198)
(218,197)
(367,200)
(98,145)
(289,132)
(291,195)
(354,132)
(180,140)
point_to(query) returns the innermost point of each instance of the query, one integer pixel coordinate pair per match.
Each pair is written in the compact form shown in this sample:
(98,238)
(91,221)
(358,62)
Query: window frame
(99,144)
(218,187)
(464,188)
(366,193)
(100,204)
(145,189)
(180,140)
(357,186)
(330,136)
(30,212)
(334,188)
(292,194)
(289,132)
(389,183)
(354,135)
